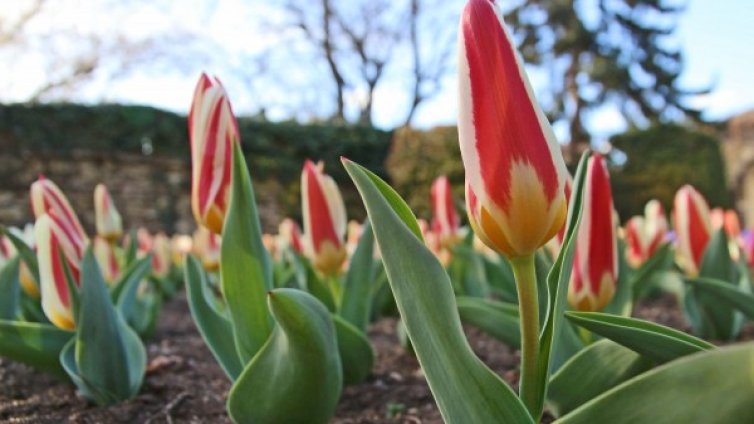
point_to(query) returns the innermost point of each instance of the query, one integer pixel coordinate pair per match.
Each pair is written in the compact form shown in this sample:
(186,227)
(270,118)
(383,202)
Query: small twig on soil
(169,408)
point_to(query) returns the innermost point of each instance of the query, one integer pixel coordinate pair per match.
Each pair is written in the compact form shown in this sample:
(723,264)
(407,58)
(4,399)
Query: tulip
(445,221)
(595,264)
(7,251)
(693,229)
(515,171)
(181,245)
(207,248)
(56,246)
(645,234)
(290,235)
(213,129)
(29,284)
(556,243)
(324,219)
(108,221)
(46,198)
(104,252)
(161,255)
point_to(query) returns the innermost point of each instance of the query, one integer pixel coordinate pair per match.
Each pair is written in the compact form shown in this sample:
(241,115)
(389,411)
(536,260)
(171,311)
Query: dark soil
(185,385)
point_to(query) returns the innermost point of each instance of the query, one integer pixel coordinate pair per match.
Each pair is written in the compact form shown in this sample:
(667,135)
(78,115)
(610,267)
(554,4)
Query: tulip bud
(515,174)
(181,245)
(595,264)
(324,219)
(104,253)
(107,219)
(693,229)
(46,198)
(7,251)
(213,129)
(290,235)
(645,234)
(207,248)
(57,245)
(161,255)
(445,222)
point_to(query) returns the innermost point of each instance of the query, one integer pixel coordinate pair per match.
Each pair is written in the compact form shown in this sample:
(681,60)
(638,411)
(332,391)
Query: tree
(360,41)
(620,52)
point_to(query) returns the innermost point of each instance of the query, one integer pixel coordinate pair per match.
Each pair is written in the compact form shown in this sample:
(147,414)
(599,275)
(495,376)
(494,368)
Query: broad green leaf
(296,376)
(357,291)
(145,311)
(132,248)
(498,319)
(500,278)
(216,330)
(9,290)
(714,319)
(356,354)
(24,251)
(594,370)
(317,286)
(132,275)
(654,341)
(126,300)
(726,293)
(245,268)
(109,356)
(465,389)
(714,387)
(558,279)
(472,274)
(34,344)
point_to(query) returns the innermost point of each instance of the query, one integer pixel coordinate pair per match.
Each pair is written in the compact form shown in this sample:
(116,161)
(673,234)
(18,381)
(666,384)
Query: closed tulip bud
(207,248)
(108,221)
(181,245)
(57,246)
(324,219)
(290,235)
(645,234)
(213,129)
(515,172)
(691,219)
(595,264)
(47,198)
(161,255)
(445,221)
(107,259)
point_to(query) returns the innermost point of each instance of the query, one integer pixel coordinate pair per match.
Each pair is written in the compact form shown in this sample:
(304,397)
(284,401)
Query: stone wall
(149,191)
(738,152)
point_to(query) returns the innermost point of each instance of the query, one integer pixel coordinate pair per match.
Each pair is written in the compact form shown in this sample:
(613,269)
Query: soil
(184,384)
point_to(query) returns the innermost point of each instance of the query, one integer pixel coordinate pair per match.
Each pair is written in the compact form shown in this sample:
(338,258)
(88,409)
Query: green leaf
(594,370)
(127,289)
(500,278)
(356,354)
(726,293)
(9,290)
(427,306)
(34,344)
(472,273)
(641,279)
(136,271)
(109,356)
(356,304)
(296,376)
(498,319)
(709,387)
(654,341)
(622,303)
(25,252)
(558,279)
(215,329)
(714,319)
(245,268)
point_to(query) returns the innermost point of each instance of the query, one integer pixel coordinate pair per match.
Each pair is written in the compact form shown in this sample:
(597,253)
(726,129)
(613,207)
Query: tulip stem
(528,307)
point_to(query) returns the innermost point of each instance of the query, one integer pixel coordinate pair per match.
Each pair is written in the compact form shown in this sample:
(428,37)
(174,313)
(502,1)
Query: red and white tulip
(445,221)
(324,219)
(107,219)
(691,220)
(515,173)
(290,235)
(645,234)
(47,198)
(56,246)
(107,259)
(207,248)
(595,265)
(213,130)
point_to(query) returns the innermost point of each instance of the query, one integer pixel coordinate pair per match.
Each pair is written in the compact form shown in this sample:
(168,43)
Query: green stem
(528,306)
(333,283)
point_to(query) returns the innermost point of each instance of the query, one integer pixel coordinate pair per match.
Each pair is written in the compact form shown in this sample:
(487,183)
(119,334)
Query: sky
(716,37)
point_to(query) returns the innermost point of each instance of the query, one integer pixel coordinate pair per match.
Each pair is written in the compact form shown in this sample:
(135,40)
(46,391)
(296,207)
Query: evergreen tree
(600,51)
